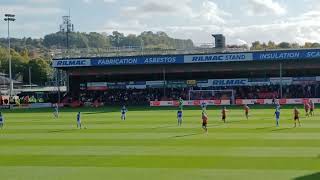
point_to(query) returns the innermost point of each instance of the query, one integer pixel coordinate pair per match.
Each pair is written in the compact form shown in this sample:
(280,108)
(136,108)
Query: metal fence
(138,51)
(135,51)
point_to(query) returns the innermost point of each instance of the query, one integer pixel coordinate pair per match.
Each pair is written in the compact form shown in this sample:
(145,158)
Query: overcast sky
(242,21)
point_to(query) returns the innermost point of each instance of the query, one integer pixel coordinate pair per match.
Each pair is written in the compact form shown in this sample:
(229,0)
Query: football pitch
(150,146)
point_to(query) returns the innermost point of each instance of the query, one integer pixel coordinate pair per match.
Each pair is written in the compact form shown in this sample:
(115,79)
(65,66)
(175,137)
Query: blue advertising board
(114,61)
(135,60)
(71,63)
(229,82)
(181,59)
(287,55)
(218,57)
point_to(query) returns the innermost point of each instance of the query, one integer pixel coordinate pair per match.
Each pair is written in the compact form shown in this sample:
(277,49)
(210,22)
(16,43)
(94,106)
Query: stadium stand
(144,96)
(166,76)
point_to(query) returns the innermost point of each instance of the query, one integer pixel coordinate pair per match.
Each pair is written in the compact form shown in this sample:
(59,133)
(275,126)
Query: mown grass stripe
(164,150)
(84,173)
(150,143)
(160,161)
(161,142)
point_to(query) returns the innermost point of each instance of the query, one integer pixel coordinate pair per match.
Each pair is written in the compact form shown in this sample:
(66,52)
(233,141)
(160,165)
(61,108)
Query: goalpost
(227,94)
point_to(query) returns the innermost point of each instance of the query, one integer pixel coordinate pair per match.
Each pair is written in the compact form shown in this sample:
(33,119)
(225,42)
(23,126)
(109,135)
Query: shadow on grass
(262,128)
(104,122)
(215,125)
(282,129)
(96,112)
(168,126)
(61,130)
(230,122)
(187,135)
(315,176)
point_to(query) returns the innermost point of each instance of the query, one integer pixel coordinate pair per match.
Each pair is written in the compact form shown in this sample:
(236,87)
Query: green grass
(150,146)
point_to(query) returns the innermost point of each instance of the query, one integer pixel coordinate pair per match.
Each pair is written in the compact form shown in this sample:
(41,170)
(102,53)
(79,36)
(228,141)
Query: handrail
(80,53)
(135,51)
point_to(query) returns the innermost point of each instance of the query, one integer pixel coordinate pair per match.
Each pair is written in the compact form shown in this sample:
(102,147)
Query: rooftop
(137,51)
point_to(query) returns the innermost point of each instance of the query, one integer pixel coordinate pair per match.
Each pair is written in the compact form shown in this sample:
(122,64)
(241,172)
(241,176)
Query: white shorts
(180,119)
(123,116)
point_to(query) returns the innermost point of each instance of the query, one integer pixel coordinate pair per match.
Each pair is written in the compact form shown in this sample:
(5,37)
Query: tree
(295,45)
(132,40)
(96,40)
(116,39)
(272,45)
(315,45)
(40,71)
(256,46)
(284,45)
(78,40)
(56,40)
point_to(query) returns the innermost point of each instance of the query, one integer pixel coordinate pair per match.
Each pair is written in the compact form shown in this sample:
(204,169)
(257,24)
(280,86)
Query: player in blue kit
(277,114)
(124,111)
(56,111)
(179,116)
(79,125)
(1,120)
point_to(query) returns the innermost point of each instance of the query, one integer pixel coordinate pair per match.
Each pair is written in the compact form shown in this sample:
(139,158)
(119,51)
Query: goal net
(212,95)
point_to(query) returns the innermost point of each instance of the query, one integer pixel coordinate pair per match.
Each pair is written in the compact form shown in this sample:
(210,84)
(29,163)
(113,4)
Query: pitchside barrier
(4,107)
(190,103)
(238,102)
(281,101)
(32,106)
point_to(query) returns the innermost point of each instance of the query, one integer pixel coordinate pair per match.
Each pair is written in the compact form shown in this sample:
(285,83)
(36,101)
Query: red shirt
(224,112)
(204,118)
(311,105)
(307,106)
(246,108)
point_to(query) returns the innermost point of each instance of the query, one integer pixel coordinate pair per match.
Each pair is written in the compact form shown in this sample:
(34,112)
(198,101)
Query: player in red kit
(307,108)
(204,121)
(224,114)
(311,108)
(296,118)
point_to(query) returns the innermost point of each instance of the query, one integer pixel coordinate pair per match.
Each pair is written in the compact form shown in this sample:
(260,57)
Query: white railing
(138,51)
(134,51)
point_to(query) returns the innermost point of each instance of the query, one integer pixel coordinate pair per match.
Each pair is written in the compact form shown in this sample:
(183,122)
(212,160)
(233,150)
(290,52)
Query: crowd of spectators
(128,96)
(143,96)
(273,91)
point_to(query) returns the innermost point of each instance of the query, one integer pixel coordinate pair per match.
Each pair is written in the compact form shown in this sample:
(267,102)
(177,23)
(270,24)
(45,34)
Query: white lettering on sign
(218,58)
(71,63)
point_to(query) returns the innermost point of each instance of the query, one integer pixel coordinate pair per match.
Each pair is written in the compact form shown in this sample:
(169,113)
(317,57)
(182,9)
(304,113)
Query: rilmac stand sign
(72,63)
(218,58)
(229,82)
